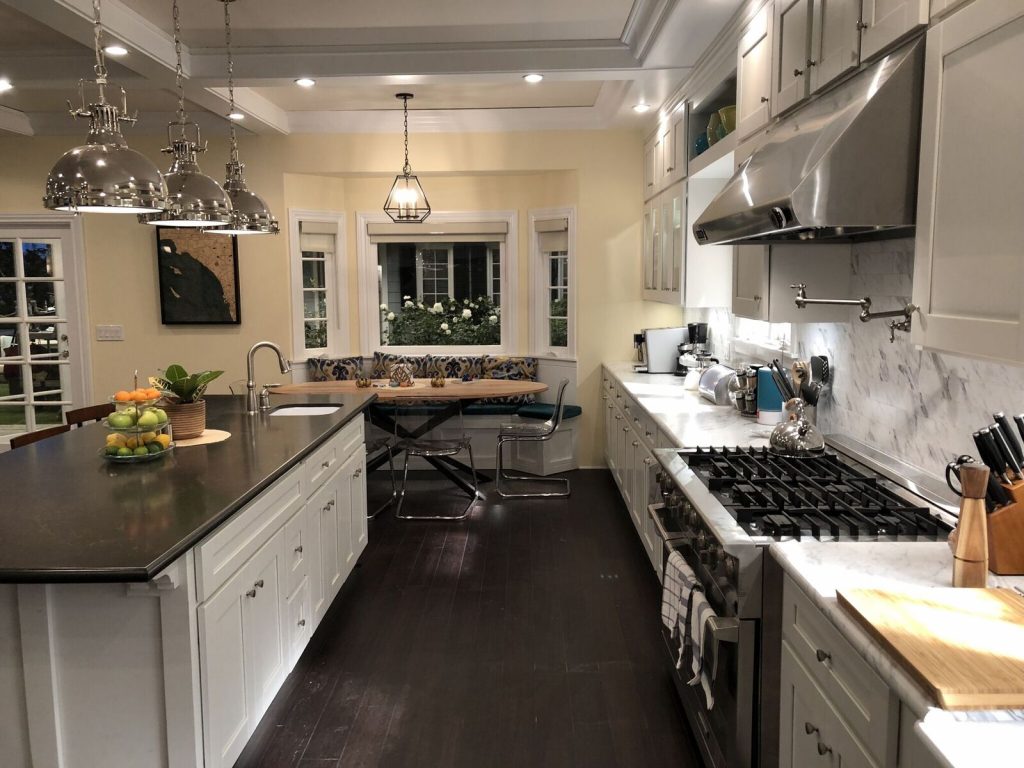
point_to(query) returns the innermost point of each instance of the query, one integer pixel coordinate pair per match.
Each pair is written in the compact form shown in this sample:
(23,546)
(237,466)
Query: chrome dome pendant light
(250,215)
(193,198)
(406,203)
(104,175)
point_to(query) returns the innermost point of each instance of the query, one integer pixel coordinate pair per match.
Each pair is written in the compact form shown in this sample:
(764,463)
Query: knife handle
(1004,449)
(991,454)
(1011,438)
(1019,421)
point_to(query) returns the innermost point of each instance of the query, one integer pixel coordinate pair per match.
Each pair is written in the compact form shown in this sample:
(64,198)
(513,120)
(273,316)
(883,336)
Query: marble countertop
(686,418)
(958,739)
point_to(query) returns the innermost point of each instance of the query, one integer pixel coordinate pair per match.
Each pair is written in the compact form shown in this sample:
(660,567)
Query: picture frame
(198,277)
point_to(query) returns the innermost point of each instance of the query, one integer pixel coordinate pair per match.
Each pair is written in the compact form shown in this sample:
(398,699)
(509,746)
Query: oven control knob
(730,566)
(691,516)
(702,540)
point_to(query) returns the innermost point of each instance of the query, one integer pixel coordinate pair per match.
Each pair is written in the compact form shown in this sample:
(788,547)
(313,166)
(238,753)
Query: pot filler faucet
(252,406)
(866,314)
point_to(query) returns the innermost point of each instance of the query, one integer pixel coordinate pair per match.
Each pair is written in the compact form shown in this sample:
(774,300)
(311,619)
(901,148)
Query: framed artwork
(198,277)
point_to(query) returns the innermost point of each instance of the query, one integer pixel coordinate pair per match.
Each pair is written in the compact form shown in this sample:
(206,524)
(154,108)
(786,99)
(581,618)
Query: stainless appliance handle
(721,629)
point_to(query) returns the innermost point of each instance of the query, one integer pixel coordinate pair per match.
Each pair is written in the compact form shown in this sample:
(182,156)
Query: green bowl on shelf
(728,117)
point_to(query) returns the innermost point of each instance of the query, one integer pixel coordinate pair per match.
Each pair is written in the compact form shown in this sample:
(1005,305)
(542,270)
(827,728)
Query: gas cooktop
(821,497)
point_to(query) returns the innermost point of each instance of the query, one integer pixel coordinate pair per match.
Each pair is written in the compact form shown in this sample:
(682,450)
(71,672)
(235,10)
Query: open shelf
(716,162)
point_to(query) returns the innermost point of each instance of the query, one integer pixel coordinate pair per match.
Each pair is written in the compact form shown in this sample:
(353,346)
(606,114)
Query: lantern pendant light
(193,198)
(250,215)
(407,203)
(104,175)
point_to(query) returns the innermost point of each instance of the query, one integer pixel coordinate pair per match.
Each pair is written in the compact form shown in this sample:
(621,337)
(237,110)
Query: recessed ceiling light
(533,78)
(115,50)
(641,107)
(236,116)
(306,82)
(5,84)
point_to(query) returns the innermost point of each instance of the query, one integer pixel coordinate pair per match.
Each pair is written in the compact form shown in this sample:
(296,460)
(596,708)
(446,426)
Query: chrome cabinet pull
(358,472)
(809,729)
(259,584)
(635,443)
(251,593)
(823,656)
(823,749)
(798,73)
(764,99)
(625,429)
(757,298)
(298,550)
(811,63)
(325,465)
(862,25)
(302,622)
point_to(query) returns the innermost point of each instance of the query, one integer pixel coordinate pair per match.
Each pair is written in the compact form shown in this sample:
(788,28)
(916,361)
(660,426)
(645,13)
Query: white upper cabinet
(968,269)
(665,154)
(792,53)
(835,40)
(754,74)
(885,21)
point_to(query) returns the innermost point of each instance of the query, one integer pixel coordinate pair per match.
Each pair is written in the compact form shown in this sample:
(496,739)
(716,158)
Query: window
(316,238)
(438,284)
(554,331)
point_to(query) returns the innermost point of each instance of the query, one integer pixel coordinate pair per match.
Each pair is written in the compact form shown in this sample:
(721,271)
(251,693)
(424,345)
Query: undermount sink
(305,410)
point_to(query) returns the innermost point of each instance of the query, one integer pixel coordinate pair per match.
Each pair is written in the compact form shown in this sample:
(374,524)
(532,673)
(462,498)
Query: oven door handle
(720,630)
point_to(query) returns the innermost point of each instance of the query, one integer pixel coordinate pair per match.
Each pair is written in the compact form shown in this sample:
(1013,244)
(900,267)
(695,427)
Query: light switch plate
(109,333)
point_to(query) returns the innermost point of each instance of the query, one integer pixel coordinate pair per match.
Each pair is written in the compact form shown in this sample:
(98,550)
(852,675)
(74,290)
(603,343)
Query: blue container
(769,398)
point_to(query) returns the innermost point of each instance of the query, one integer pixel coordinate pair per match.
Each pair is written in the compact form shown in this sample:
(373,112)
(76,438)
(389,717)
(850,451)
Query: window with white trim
(316,239)
(553,323)
(439,284)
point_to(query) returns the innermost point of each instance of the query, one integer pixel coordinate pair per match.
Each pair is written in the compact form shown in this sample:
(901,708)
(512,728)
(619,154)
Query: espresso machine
(695,351)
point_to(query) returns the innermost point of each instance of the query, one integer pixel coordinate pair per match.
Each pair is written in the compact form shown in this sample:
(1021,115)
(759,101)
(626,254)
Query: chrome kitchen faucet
(252,407)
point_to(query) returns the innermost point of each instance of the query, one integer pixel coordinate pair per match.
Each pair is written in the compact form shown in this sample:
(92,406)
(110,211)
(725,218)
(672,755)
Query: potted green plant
(183,391)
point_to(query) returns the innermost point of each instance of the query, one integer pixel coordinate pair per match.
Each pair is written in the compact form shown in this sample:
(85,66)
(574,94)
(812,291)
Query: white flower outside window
(408,304)
(437,308)
(493,319)
(391,316)
(444,326)
(467,313)
(383,307)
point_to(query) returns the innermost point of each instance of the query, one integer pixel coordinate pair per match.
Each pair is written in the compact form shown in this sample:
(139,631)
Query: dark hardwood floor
(527,635)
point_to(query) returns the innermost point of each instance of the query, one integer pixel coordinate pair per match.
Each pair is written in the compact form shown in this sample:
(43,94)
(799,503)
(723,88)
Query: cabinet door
(299,621)
(835,40)
(708,268)
(351,511)
(968,271)
(750,282)
(885,21)
(672,202)
(805,719)
(792,51)
(754,74)
(652,247)
(609,432)
(649,177)
(224,682)
(324,503)
(675,164)
(659,160)
(265,630)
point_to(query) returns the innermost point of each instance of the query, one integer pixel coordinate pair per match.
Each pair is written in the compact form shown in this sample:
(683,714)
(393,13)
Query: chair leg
(465,513)
(561,482)
(405,484)
(394,487)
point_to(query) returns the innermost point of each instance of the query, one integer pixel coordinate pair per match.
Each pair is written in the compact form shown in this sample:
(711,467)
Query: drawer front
(865,702)
(328,457)
(296,554)
(224,551)
(300,621)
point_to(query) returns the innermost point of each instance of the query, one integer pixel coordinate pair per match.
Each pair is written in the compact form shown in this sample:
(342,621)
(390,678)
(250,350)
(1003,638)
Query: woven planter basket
(188,420)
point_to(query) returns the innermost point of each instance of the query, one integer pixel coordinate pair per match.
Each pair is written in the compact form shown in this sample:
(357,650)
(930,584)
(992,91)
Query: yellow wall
(599,172)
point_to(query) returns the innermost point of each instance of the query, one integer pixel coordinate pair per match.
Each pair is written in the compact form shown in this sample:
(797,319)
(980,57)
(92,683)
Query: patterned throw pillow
(334,368)
(456,366)
(382,362)
(506,367)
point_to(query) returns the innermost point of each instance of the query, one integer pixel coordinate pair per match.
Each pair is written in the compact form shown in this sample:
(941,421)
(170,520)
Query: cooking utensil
(1004,450)
(797,436)
(992,455)
(997,495)
(1011,438)
(810,391)
(801,372)
(787,388)
(820,370)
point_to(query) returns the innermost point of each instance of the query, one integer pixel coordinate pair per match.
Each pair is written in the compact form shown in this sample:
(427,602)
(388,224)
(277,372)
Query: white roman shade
(318,236)
(552,234)
(439,232)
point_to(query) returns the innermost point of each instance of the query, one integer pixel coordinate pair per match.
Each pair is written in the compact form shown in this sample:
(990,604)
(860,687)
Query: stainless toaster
(714,384)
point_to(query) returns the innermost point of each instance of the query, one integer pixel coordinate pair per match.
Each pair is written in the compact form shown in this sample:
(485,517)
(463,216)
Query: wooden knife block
(1006,535)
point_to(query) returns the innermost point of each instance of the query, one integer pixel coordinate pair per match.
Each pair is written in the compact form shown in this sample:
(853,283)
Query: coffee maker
(695,351)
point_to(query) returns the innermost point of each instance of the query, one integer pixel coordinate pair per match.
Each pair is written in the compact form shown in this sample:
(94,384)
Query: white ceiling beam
(13,121)
(259,107)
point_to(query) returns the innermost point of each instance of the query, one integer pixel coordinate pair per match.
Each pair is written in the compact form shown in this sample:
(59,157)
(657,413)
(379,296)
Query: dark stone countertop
(69,515)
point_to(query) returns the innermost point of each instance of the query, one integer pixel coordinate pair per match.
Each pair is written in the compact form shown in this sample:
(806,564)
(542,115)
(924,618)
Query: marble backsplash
(916,405)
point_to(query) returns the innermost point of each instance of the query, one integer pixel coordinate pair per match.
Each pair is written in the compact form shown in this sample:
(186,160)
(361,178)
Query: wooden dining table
(452,398)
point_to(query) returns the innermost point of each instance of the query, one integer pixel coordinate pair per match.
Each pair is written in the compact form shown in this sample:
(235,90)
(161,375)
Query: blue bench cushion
(419,409)
(546,410)
(382,362)
(514,368)
(334,368)
(491,409)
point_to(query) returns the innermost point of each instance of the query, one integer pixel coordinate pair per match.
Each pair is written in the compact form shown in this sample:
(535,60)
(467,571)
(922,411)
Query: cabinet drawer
(300,621)
(328,457)
(298,544)
(865,702)
(224,551)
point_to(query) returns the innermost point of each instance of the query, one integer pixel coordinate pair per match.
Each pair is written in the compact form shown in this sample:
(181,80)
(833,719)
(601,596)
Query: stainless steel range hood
(843,167)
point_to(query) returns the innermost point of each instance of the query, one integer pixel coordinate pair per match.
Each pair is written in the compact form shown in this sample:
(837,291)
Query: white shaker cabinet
(754,74)
(352,478)
(886,21)
(968,270)
(791,54)
(835,40)
(673,244)
(675,146)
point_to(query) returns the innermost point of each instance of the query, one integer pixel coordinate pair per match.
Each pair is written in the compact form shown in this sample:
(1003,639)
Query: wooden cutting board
(964,646)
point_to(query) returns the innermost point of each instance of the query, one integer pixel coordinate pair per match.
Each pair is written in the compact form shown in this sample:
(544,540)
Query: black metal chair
(513,433)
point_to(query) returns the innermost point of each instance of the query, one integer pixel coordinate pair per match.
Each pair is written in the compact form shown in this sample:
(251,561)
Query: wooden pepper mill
(970,556)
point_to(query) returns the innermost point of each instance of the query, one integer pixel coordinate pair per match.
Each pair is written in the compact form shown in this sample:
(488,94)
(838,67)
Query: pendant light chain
(178,73)
(100,68)
(231,81)
(406,169)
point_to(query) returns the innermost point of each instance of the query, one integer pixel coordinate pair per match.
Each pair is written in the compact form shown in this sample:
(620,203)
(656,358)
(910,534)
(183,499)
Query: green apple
(131,412)
(120,420)
(112,450)
(161,415)
(148,419)
(141,451)
(124,451)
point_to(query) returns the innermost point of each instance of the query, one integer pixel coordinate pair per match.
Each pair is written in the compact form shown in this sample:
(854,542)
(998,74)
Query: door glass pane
(316,334)
(315,304)
(11,380)
(46,381)
(12,418)
(44,340)
(42,299)
(39,259)
(8,299)
(8,339)
(6,258)
(48,415)
(313,274)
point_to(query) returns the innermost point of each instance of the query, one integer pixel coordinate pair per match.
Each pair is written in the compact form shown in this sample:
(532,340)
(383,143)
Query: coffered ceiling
(462,59)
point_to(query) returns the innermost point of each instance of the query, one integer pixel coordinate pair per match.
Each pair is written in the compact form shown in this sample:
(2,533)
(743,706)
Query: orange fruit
(122,396)
(139,395)
(152,393)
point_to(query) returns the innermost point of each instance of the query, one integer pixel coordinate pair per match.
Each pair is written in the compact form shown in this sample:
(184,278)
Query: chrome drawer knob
(358,472)
(302,622)
(823,656)
(251,593)
(325,465)
(259,584)
(809,729)
(824,749)
(298,550)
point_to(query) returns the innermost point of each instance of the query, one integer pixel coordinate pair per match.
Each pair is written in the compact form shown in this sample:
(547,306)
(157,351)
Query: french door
(43,365)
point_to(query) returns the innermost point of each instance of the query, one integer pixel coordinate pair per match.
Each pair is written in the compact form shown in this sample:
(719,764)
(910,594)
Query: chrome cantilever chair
(375,446)
(512,433)
(436,450)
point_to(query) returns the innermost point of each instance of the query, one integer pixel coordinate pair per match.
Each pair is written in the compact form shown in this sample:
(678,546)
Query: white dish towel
(677,587)
(700,612)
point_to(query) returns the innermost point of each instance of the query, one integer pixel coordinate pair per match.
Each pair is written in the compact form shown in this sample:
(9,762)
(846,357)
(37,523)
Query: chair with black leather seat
(20,441)
(536,433)
(79,416)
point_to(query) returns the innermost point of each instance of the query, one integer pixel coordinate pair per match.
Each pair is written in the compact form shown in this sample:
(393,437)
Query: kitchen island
(150,612)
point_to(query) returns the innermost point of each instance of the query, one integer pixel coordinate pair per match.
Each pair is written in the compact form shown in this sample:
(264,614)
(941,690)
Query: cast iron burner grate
(818,497)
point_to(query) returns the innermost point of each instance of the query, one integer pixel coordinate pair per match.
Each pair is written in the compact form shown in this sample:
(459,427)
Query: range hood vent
(844,167)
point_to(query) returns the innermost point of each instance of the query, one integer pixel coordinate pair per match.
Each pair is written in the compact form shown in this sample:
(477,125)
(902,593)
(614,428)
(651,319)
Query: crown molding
(644,24)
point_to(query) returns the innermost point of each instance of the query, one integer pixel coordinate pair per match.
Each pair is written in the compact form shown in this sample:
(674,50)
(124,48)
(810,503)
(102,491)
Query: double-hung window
(317,240)
(554,331)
